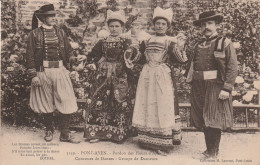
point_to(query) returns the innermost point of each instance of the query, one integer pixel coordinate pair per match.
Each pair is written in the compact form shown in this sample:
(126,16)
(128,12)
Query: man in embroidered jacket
(47,57)
(212,71)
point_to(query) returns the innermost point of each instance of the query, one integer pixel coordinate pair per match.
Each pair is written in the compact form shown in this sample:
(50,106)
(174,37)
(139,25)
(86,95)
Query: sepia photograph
(151,82)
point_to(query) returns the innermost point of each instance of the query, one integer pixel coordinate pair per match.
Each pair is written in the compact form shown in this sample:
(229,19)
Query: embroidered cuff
(180,54)
(134,56)
(32,73)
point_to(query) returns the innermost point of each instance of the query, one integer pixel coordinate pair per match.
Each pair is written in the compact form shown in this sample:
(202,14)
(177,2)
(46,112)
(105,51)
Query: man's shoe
(204,156)
(48,136)
(70,140)
(205,152)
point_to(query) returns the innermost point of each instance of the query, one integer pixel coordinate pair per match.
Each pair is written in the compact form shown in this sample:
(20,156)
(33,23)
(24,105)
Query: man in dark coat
(47,59)
(212,71)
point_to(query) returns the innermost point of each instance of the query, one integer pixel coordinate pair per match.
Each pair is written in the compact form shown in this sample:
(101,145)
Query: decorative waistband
(205,75)
(154,63)
(52,64)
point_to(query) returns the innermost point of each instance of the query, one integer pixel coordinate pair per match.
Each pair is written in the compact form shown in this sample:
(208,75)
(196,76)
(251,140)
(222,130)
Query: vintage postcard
(130,82)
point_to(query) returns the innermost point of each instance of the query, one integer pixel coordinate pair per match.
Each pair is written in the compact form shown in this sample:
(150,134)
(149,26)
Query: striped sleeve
(32,72)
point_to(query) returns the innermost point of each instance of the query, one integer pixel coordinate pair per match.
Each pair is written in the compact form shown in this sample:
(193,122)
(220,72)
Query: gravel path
(235,148)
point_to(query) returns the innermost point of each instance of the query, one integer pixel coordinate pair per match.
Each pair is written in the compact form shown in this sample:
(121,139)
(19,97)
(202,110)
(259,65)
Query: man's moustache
(206,30)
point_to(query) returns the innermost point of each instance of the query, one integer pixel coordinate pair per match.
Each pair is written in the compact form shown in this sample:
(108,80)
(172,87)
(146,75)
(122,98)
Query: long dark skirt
(111,109)
(206,109)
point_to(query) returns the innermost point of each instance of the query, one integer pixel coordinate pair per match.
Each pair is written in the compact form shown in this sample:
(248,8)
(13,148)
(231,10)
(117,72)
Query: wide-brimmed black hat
(206,16)
(45,10)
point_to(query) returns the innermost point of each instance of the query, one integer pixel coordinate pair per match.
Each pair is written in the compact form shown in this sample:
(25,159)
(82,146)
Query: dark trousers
(48,121)
(212,139)
(64,123)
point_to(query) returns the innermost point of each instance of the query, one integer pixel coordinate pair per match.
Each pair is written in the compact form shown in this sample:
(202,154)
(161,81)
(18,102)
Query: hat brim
(48,13)
(217,17)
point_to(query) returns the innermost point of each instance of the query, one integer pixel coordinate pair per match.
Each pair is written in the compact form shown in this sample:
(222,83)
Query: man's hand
(223,95)
(36,82)
(92,67)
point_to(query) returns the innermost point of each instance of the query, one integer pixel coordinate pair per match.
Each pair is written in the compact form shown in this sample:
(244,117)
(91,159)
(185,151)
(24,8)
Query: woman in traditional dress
(110,106)
(154,110)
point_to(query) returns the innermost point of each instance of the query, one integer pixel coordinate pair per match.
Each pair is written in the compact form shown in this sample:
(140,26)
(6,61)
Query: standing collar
(46,26)
(205,41)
